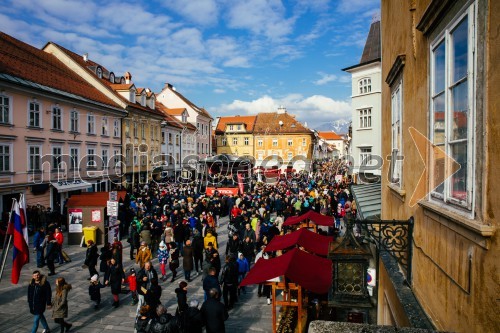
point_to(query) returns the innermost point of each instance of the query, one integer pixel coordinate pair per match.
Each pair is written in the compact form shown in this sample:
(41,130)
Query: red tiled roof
(176,111)
(170,117)
(112,86)
(330,136)
(269,123)
(191,104)
(248,121)
(29,63)
(93,199)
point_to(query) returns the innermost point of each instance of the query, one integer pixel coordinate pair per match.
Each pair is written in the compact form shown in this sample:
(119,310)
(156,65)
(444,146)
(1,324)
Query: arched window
(365,85)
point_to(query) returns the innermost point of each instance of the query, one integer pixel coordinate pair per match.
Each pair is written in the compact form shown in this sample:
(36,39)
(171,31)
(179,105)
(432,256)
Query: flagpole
(5,250)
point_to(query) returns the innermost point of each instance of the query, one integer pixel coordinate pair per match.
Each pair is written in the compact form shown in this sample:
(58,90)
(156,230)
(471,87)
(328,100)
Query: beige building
(234,135)
(439,67)
(141,130)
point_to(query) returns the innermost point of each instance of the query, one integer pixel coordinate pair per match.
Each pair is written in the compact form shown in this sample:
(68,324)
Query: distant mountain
(340,126)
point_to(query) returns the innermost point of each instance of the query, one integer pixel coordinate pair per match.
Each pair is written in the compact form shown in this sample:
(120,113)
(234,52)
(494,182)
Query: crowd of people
(173,226)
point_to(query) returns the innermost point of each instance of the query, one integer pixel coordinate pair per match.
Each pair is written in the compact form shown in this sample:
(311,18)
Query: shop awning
(66,186)
(311,272)
(368,200)
(310,241)
(316,218)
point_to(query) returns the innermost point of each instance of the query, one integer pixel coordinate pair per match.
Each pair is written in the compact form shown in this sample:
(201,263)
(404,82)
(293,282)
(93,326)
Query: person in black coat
(115,278)
(214,314)
(144,279)
(194,321)
(210,282)
(105,257)
(198,250)
(229,279)
(91,257)
(39,297)
(153,295)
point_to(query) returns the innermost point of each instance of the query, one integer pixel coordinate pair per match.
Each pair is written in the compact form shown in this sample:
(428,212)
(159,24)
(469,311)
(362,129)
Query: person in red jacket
(58,235)
(235,211)
(132,283)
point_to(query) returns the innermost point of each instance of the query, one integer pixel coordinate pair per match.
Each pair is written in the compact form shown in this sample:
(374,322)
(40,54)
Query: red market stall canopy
(311,272)
(317,218)
(310,241)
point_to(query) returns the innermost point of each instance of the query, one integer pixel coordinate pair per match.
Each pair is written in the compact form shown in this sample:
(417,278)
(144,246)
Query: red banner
(222,190)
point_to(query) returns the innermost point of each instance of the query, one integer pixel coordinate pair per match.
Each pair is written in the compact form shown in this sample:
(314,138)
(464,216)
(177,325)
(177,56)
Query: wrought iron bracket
(392,236)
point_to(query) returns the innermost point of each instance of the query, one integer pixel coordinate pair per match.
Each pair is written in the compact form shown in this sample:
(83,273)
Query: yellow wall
(455,258)
(239,149)
(298,147)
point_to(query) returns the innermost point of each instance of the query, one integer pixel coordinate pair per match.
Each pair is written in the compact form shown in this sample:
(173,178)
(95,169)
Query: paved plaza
(251,314)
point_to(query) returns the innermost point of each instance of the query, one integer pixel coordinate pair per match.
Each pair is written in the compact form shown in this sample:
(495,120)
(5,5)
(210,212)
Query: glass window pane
(458,182)
(439,124)
(460,108)
(439,68)
(438,173)
(459,50)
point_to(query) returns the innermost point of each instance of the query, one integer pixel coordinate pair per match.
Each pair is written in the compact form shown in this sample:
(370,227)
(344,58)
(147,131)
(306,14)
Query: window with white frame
(453,109)
(105,158)
(5,159)
(275,142)
(116,156)
(235,141)
(4,109)
(365,85)
(105,129)
(290,142)
(74,154)
(230,127)
(34,119)
(91,163)
(239,127)
(90,123)
(224,141)
(247,141)
(56,157)
(56,118)
(365,118)
(184,117)
(73,121)
(365,154)
(116,128)
(136,130)
(260,143)
(34,153)
(396,166)
(289,155)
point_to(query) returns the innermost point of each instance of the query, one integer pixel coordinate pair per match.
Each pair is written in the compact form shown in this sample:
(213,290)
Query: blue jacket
(38,239)
(242,265)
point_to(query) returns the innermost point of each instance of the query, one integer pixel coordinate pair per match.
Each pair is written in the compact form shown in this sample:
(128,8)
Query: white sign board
(112,207)
(113,196)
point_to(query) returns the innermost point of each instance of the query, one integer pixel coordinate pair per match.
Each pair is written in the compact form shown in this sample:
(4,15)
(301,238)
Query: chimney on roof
(85,57)
(168,85)
(128,78)
(281,109)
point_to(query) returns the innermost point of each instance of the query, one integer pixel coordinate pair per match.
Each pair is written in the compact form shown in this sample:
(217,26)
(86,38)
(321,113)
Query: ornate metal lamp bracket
(392,236)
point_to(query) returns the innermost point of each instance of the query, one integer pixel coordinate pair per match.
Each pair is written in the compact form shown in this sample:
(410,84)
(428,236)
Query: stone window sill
(397,191)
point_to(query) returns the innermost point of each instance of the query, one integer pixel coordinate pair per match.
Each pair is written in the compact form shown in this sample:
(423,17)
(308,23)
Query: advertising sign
(75,218)
(112,207)
(96,216)
(222,190)
(114,229)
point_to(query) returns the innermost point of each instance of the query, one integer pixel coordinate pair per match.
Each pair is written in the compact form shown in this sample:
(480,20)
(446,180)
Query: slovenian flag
(19,232)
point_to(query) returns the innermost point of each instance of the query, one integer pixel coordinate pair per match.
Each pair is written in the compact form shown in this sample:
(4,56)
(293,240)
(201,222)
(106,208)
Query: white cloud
(203,12)
(219,91)
(316,109)
(325,78)
(261,17)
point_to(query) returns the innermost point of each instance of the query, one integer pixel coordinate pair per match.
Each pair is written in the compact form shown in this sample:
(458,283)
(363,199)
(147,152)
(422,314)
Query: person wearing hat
(95,290)
(163,256)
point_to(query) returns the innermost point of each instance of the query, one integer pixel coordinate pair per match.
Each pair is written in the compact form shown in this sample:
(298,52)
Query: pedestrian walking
(95,291)
(60,304)
(229,281)
(39,247)
(143,254)
(115,278)
(144,278)
(214,314)
(39,298)
(173,262)
(91,257)
(163,256)
(187,260)
(132,285)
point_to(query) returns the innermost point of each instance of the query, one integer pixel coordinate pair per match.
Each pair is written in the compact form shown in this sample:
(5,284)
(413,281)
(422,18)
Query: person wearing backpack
(143,321)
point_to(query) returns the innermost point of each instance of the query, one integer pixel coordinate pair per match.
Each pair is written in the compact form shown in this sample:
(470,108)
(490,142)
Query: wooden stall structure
(303,238)
(294,273)
(310,220)
(85,210)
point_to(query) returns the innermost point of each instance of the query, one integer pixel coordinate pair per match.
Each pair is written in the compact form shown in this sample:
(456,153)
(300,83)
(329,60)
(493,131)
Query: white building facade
(365,145)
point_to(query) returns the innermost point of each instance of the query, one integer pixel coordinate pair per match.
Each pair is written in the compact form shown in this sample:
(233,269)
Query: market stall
(89,210)
(304,238)
(291,276)
(311,219)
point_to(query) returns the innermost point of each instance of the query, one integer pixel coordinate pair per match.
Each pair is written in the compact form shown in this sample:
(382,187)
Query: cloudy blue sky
(229,56)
